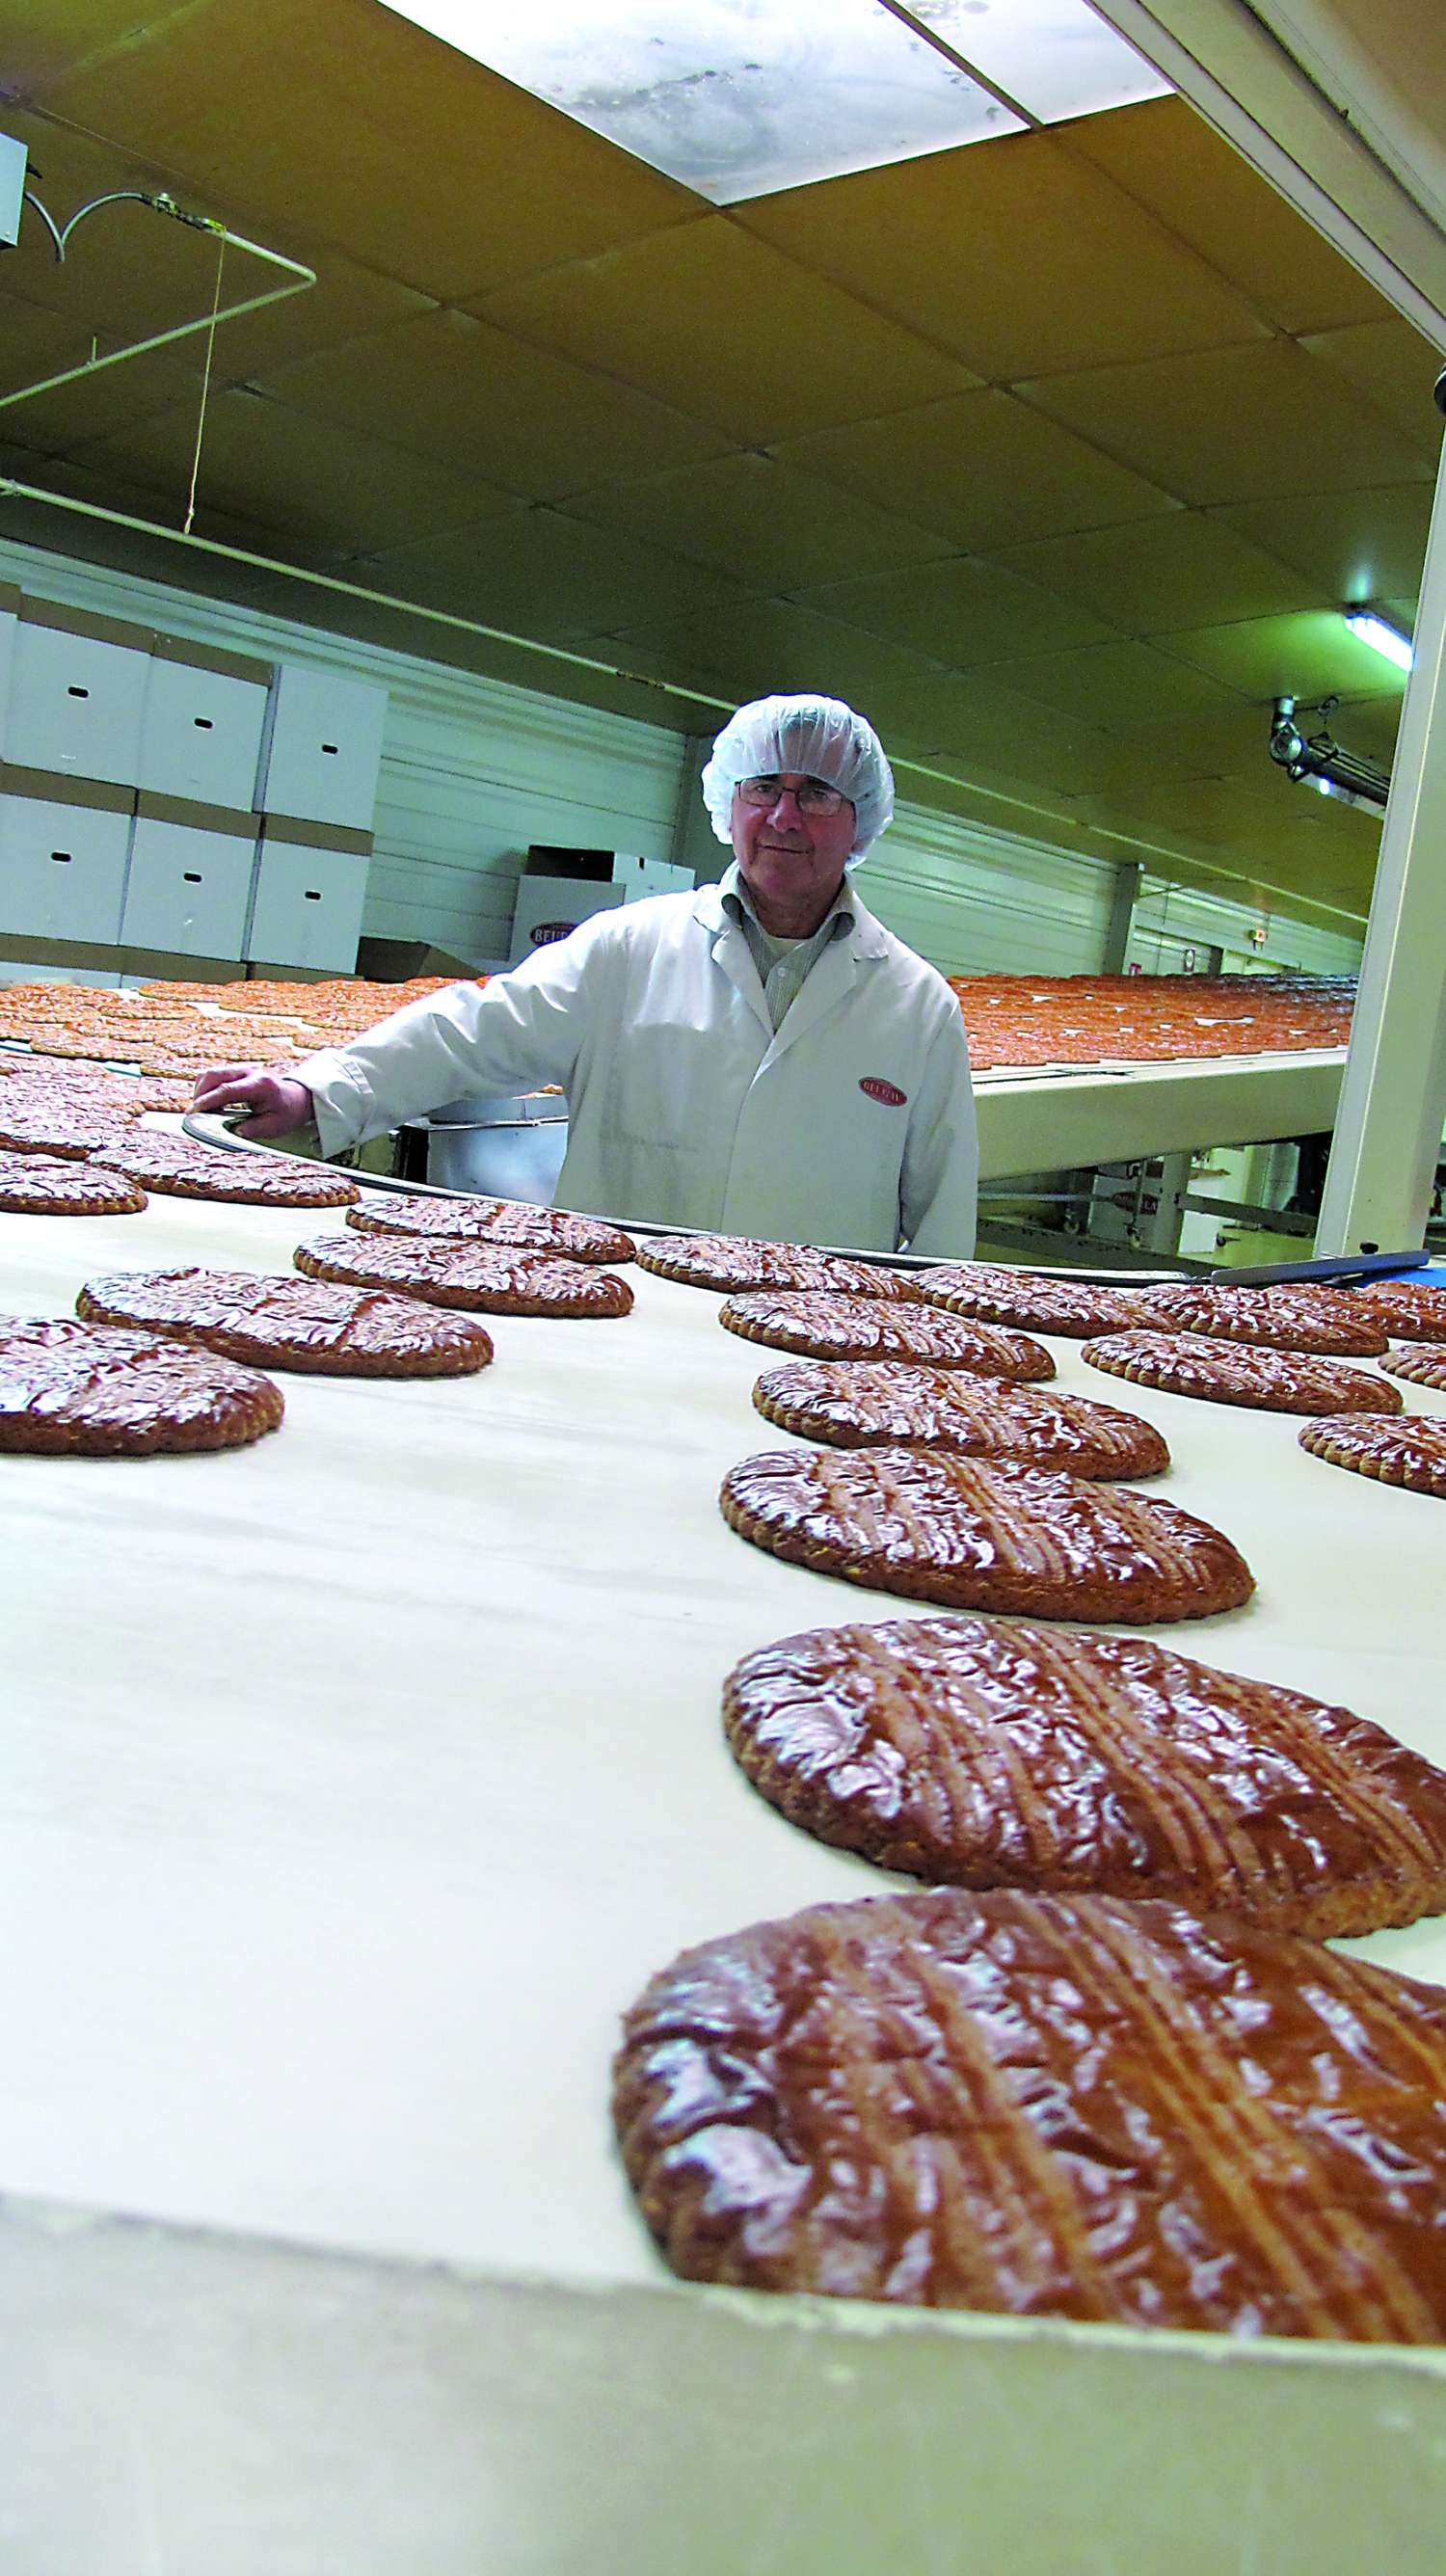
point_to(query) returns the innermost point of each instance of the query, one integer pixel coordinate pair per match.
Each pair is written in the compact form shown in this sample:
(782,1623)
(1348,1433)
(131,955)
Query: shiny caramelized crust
(1276,1318)
(1047,2106)
(1407,1311)
(860,1404)
(291,1323)
(175,1165)
(821,1326)
(72,1390)
(478,1220)
(1228,1373)
(1041,1304)
(731,1261)
(1408,1453)
(1422,1367)
(42,1185)
(487,1278)
(984,1537)
(987,1753)
(67,1135)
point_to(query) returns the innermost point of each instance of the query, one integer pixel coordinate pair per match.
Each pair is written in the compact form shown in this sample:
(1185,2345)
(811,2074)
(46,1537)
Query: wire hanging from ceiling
(205,388)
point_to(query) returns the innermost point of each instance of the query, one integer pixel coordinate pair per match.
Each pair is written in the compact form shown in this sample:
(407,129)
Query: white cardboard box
(190,879)
(63,850)
(201,729)
(322,748)
(77,689)
(310,890)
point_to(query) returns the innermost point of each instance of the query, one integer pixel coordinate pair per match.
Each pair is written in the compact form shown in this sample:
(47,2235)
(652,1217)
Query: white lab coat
(685,1108)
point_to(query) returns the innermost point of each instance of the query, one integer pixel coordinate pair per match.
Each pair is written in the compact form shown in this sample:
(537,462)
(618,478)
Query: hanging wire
(205,387)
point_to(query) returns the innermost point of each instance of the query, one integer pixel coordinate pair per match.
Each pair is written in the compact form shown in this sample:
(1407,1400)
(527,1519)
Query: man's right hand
(277,1106)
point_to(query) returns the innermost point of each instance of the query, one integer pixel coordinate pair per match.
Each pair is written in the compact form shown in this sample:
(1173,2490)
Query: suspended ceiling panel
(1058,453)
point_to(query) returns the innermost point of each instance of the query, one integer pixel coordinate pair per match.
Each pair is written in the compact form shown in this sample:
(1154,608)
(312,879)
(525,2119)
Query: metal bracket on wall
(300,276)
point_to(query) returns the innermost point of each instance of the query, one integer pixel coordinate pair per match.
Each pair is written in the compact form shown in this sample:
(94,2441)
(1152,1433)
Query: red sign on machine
(547,931)
(888,1092)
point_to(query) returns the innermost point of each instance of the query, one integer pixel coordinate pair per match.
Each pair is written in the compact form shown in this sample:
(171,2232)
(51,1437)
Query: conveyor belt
(1081,1116)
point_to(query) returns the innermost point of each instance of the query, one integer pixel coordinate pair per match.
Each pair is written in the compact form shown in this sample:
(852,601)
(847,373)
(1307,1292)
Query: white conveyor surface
(1084,1114)
(353,1784)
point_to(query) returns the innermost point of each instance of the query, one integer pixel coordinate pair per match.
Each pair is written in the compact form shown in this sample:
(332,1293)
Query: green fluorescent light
(1381,637)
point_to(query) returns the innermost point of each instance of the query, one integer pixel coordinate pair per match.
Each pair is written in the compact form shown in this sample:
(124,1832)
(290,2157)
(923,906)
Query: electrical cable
(205,389)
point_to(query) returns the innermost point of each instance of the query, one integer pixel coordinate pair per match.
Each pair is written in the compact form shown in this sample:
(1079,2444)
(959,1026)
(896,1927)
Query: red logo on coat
(888,1092)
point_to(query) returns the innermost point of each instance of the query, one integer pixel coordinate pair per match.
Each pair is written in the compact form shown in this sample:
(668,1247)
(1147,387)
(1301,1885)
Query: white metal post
(1393,1098)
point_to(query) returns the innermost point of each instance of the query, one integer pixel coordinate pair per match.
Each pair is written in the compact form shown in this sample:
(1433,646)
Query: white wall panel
(978,902)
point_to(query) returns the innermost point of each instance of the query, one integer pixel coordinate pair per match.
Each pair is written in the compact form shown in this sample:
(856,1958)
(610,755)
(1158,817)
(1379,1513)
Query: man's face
(791,858)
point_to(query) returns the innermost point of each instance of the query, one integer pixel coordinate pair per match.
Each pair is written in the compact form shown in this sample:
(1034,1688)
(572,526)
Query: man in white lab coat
(760,1058)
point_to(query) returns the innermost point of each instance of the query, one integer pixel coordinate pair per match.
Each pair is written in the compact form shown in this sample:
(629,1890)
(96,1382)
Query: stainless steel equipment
(511,1148)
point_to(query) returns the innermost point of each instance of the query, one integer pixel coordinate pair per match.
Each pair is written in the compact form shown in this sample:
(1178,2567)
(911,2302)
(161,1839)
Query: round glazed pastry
(856,1404)
(985,1536)
(821,1326)
(72,1390)
(485,1278)
(1039,1302)
(479,1220)
(1230,1373)
(45,1185)
(1410,1453)
(181,1169)
(66,1135)
(729,1261)
(1047,2106)
(1278,1318)
(993,1753)
(291,1323)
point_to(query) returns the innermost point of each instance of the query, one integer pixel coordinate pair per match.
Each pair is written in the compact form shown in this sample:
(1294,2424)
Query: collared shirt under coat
(686,1107)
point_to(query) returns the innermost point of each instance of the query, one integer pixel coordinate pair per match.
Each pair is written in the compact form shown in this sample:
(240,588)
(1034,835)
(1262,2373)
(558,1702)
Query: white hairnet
(815,737)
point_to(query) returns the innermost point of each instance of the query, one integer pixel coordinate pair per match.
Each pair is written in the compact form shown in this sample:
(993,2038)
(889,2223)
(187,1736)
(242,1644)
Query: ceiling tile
(1235,424)
(476,399)
(754,518)
(1017,255)
(1393,367)
(343,119)
(768,351)
(1167,158)
(755,647)
(42,41)
(38,345)
(1114,685)
(1368,544)
(1310,655)
(541,574)
(1164,572)
(982,469)
(961,611)
(300,476)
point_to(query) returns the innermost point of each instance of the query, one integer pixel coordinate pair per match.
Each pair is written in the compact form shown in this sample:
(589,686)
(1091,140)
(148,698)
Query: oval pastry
(977,1536)
(483,1278)
(868,1328)
(74,1391)
(1410,1310)
(1277,1319)
(479,1220)
(1040,1303)
(181,1169)
(1422,1366)
(856,1404)
(42,1185)
(1050,2107)
(1410,1453)
(992,1753)
(291,1323)
(1229,1373)
(729,1261)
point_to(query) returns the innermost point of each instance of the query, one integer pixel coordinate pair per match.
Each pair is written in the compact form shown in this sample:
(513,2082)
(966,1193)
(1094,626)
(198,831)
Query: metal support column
(1122,917)
(1169,1213)
(1393,1098)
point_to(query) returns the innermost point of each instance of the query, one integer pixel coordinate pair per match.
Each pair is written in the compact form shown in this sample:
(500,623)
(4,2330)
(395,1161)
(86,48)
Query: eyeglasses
(815,796)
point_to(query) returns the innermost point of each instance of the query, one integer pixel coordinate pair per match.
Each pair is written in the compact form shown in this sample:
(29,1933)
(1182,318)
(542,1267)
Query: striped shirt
(784,965)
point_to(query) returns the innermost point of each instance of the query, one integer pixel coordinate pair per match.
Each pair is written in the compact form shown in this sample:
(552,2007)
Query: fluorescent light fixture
(1054,58)
(735,98)
(13,158)
(1381,637)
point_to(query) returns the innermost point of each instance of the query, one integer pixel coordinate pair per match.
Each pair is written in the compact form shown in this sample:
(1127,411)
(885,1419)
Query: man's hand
(277,1106)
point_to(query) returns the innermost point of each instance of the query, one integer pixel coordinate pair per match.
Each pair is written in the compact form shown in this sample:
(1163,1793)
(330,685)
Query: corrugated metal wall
(473,770)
